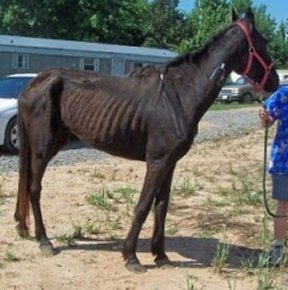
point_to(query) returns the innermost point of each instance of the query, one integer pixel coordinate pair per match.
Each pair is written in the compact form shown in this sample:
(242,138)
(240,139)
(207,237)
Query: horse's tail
(22,207)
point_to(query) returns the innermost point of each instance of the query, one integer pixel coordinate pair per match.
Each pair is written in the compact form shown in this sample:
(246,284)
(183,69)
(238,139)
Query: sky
(276,8)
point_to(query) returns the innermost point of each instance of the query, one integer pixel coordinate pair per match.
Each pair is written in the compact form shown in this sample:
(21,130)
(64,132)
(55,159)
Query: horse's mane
(191,57)
(144,72)
(188,57)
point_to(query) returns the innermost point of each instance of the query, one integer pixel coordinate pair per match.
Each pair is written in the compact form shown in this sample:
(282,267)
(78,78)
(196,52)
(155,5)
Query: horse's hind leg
(161,206)
(41,153)
(38,166)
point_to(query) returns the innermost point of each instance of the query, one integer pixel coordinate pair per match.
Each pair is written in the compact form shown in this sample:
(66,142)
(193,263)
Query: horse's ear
(234,15)
(249,16)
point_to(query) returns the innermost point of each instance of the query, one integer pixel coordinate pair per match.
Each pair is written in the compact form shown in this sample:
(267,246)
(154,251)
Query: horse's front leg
(161,206)
(156,171)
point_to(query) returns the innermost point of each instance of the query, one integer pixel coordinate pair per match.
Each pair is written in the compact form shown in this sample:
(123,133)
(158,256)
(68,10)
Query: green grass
(126,193)
(67,240)
(191,281)
(92,228)
(9,257)
(234,105)
(220,258)
(101,199)
(186,188)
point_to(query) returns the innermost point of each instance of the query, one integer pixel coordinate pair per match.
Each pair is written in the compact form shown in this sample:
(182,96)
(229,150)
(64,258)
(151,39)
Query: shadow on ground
(199,251)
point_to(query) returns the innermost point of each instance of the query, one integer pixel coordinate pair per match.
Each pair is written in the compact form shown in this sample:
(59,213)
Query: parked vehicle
(283,83)
(10,88)
(240,91)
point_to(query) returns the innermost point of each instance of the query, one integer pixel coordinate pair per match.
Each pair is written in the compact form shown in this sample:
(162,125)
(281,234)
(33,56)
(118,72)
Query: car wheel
(247,98)
(11,143)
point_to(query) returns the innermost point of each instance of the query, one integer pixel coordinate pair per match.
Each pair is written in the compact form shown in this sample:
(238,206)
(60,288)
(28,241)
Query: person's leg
(281,224)
(280,194)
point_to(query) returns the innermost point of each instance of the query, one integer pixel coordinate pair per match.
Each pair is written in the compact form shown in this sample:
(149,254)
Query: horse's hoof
(22,231)
(135,267)
(164,263)
(47,249)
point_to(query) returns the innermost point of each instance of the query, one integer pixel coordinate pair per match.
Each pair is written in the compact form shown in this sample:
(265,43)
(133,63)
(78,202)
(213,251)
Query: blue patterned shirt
(277,106)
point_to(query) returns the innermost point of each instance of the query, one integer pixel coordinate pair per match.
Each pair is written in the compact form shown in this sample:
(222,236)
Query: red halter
(253,53)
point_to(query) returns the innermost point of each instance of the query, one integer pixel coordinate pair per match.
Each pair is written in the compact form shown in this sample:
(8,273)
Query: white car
(10,88)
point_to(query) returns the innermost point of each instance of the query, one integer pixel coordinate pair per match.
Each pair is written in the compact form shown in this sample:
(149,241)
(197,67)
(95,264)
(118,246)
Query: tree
(279,46)
(241,5)
(116,21)
(113,21)
(207,18)
(167,25)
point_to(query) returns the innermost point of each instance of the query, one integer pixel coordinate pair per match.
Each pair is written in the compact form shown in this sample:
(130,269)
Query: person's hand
(265,117)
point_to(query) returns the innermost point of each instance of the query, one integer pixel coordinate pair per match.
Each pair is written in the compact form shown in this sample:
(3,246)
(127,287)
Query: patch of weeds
(171,230)
(196,171)
(101,199)
(97,174)
(77,232)
(264,274)
(186,188)
(220,258)
(230,285)
(92,229)
(265,234)
(114,237)
(67,240)
(251,198)
(217,203)
(116,224)
(10,257)
(259,268)
(223,191)
(248,192)
(239,211)
(207,233)
(126,193)
(191,281)
(248,265)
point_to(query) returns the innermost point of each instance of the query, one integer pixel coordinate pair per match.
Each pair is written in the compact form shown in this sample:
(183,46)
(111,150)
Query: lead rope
(264,177)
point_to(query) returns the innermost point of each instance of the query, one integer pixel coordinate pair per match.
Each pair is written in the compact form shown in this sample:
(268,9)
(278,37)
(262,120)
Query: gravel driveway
(223,123)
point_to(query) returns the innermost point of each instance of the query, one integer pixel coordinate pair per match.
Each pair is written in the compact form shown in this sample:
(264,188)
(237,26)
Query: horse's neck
(224,50)
(204,67)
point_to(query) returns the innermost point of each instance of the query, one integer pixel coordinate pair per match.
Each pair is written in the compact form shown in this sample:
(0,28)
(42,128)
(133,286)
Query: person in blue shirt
(276,109)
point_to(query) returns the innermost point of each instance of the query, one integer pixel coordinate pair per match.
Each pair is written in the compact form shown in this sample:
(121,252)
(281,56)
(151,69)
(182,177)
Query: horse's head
(254,62)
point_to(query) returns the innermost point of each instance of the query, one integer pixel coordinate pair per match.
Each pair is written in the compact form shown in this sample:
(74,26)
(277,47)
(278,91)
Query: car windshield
(11,87)
(240,81)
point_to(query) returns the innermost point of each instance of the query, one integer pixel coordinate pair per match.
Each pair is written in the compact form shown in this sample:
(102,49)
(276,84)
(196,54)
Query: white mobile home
(26,54)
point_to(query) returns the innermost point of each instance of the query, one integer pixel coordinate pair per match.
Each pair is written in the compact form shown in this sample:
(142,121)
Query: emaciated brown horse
(150,115)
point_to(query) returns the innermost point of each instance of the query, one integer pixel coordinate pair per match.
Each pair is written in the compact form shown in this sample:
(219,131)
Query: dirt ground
(194,226)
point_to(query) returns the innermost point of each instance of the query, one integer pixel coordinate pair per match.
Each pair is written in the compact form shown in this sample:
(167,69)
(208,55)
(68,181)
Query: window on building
(91,64)
(131,65)
(20,60)
(99,65)
(105,66)
(138,64)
